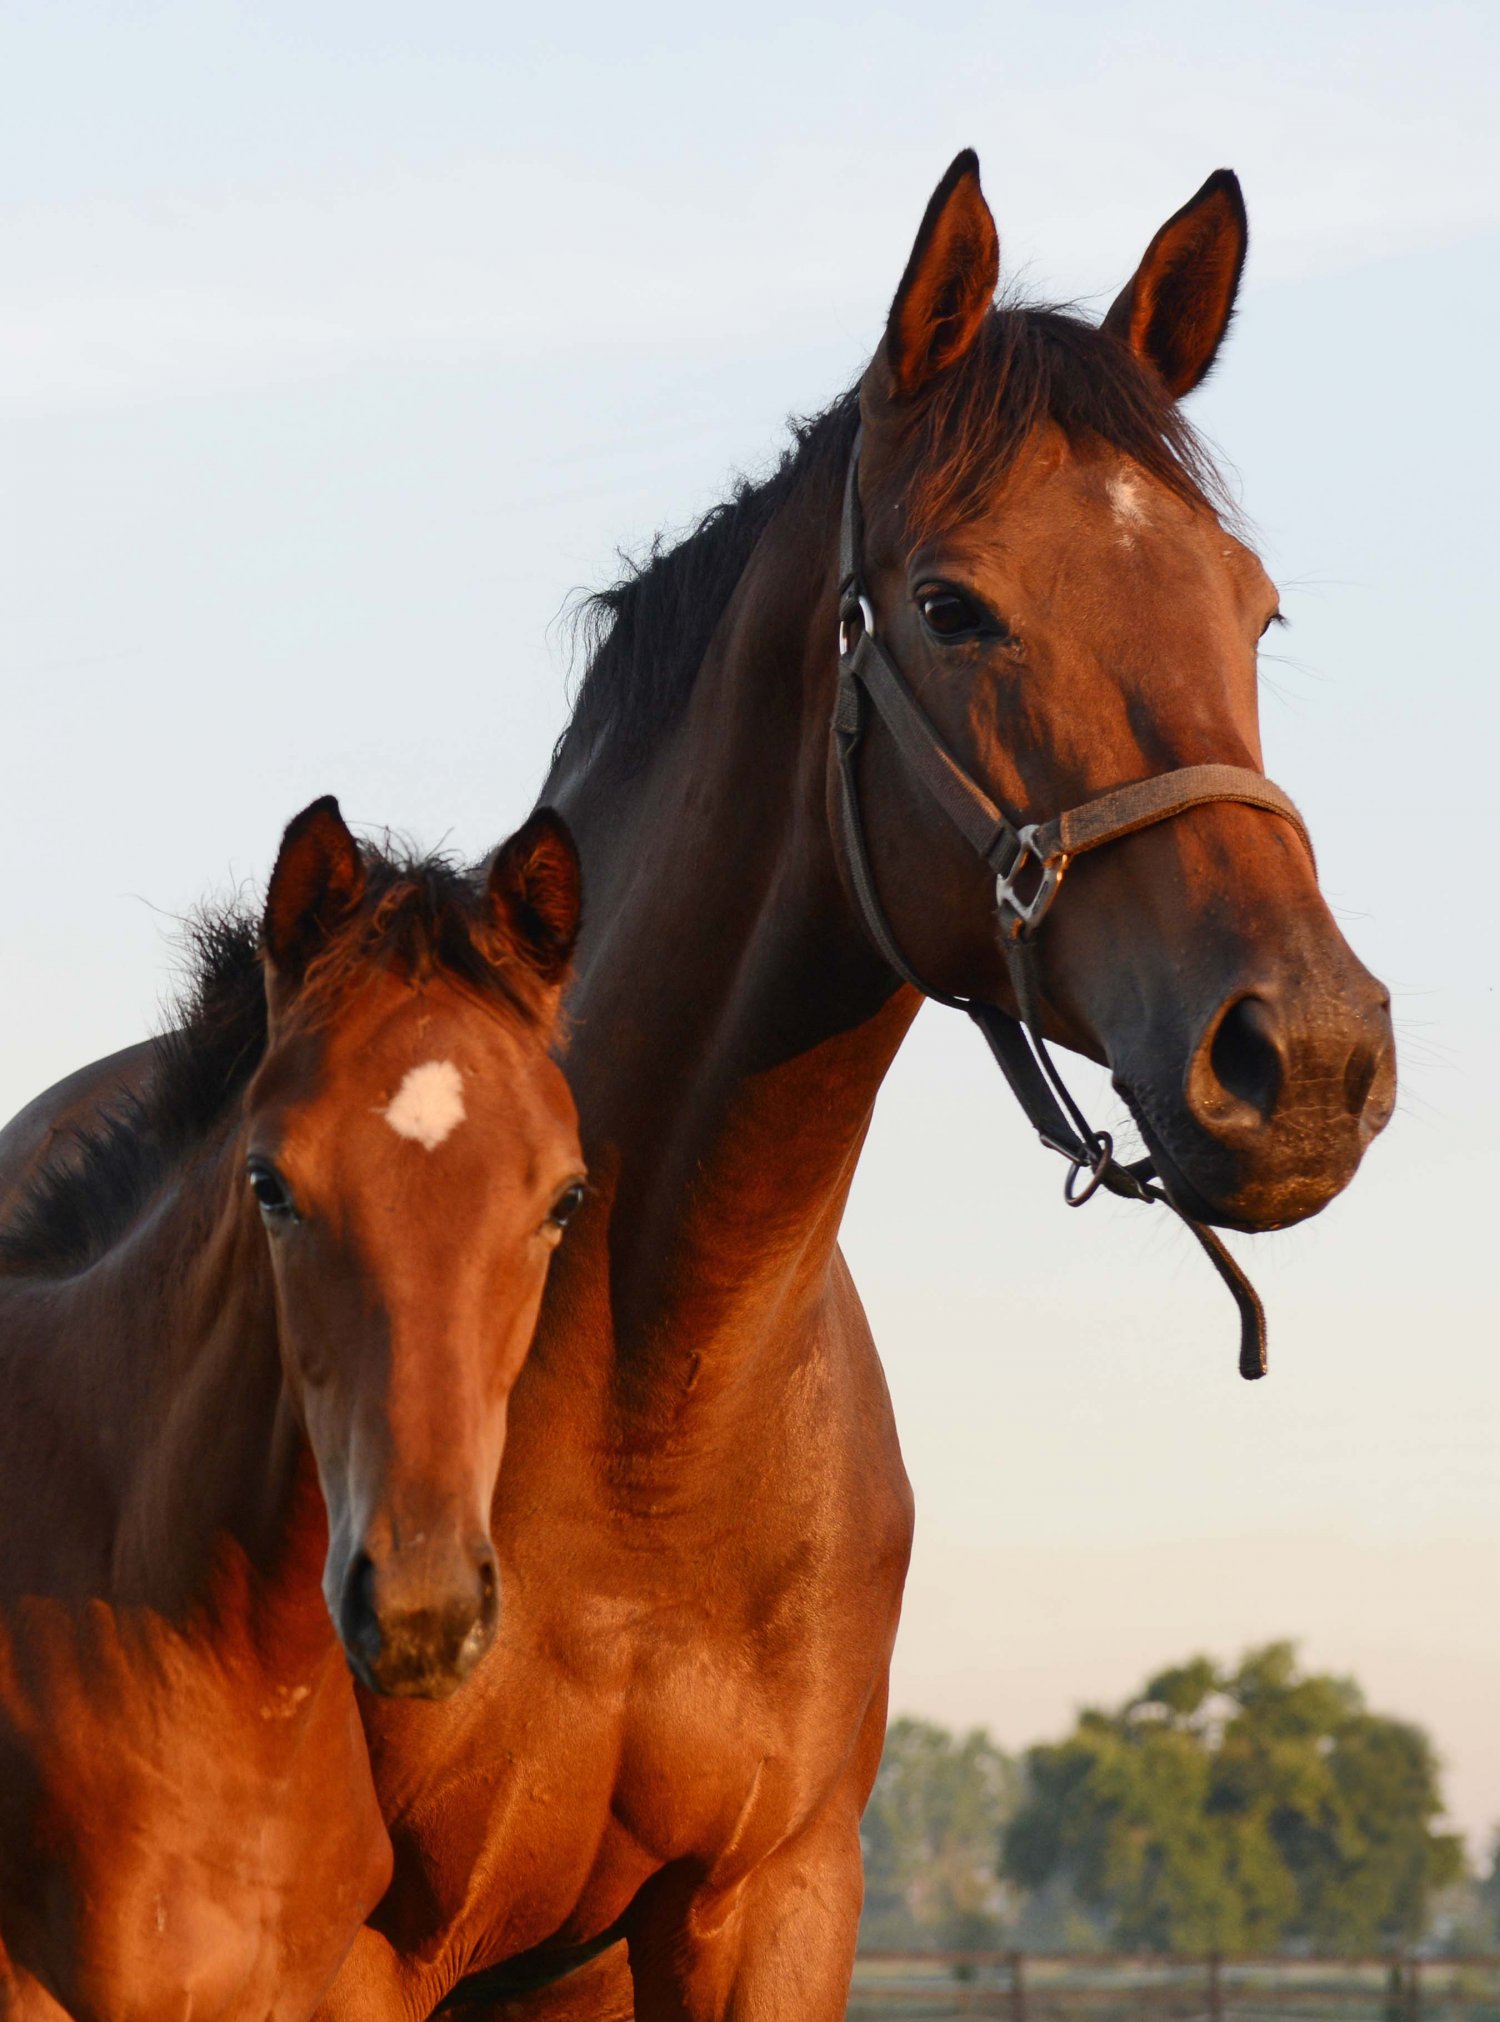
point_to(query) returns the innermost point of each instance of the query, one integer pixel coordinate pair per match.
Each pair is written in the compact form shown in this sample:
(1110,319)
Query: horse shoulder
(870,1420)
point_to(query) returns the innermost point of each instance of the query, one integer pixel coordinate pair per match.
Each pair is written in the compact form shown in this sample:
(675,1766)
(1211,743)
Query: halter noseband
(1029,864)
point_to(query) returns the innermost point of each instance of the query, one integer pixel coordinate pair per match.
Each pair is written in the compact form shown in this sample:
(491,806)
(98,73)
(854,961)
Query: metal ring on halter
(1103,1148)
(867,623)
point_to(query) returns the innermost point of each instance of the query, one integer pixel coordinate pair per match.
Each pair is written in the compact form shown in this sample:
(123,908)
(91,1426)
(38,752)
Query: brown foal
(702,1524)
(257,1340)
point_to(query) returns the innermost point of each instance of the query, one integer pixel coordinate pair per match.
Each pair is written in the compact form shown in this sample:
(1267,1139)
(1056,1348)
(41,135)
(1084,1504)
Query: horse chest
(701,1716)
(580,1774)
(686,1648)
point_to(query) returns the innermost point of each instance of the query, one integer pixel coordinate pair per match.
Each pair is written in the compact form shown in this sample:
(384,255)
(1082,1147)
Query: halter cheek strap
(1029,864)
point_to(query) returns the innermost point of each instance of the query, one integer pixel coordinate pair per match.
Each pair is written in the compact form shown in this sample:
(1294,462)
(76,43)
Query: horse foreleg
(779,1943)
(600,1991)
(373,1985)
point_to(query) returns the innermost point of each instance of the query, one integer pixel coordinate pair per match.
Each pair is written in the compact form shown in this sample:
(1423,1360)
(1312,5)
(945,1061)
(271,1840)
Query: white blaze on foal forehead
(429,1105)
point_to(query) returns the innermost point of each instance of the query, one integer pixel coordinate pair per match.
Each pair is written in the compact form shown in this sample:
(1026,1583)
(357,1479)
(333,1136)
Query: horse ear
(948,285)
(536,887)
(1175,310)
(319,876)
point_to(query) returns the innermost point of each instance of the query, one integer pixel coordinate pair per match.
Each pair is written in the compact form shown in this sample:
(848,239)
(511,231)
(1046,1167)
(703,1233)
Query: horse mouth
(1249,1203)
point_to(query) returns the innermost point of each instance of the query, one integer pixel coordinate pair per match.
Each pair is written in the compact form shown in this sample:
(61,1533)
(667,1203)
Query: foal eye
(567,1204)
(949,614)
(269,1188)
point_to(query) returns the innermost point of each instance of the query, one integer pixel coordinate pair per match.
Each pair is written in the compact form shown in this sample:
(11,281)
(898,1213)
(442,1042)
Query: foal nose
(1252,1065)
(415,1621)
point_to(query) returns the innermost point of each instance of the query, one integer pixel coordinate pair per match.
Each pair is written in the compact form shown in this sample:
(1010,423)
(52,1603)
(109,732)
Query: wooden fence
(1078,1987)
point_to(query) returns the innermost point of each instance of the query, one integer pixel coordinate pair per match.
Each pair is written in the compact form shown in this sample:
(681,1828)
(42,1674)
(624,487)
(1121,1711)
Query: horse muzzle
(1280,1099)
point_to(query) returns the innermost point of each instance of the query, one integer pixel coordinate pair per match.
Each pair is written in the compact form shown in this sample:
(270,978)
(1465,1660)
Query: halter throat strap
(1029,862)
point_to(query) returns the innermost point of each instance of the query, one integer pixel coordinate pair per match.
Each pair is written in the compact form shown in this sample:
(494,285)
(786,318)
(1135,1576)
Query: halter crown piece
(1029,864)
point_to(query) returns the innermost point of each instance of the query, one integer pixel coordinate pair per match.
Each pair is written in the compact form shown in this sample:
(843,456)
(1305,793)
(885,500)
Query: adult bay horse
(257,1339)
(703,1521)
(703,1516)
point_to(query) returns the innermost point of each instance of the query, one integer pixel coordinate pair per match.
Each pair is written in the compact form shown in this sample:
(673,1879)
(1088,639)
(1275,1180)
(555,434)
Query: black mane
(417,915)
(646,635)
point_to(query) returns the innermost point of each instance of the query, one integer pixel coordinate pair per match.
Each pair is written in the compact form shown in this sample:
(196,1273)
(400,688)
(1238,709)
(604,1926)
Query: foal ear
(536,891)
(1175,310)
(319,875)
(949,282)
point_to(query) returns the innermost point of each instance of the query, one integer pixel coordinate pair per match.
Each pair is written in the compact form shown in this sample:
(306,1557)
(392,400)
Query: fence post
(1215,1988)
(1017,1989)
(1414,1989)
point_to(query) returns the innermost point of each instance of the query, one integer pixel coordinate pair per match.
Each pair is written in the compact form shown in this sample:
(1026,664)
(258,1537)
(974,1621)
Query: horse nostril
(1359,1078)
(1246,1056)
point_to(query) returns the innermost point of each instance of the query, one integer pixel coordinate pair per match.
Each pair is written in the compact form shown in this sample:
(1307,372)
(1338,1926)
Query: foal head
(412,1151)
(1053,577)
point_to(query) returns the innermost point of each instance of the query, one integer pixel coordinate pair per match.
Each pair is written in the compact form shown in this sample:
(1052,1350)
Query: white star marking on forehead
(429,1105)
(1128,497)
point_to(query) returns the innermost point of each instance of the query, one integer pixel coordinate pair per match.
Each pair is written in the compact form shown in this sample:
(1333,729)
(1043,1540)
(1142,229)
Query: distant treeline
(1234,1810)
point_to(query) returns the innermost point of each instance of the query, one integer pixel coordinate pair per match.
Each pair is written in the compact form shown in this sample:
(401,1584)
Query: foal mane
(418,916)
(646,635)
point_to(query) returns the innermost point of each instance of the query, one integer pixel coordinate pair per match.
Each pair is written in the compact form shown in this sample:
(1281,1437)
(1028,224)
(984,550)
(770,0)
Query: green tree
(1234,1810)
(931,1834)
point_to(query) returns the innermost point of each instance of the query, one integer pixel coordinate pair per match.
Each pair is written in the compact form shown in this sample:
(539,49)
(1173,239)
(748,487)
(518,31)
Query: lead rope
(1025,1060)
(1018,1044)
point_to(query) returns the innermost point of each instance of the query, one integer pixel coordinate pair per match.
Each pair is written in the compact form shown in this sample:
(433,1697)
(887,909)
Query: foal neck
(165,1364)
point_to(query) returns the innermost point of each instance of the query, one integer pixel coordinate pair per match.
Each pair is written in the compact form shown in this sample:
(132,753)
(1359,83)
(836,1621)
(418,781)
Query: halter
(1029,864)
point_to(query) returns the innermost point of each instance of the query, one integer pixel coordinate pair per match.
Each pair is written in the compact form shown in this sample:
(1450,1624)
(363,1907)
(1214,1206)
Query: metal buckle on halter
(866,621)
(1020,917)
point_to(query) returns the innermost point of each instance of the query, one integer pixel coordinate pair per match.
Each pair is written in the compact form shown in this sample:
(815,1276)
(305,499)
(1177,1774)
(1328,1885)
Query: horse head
(1051,566)
(411,1149)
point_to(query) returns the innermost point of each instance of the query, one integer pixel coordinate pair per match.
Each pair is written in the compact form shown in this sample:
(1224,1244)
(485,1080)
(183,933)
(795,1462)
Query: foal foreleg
(23,1999)
(777,1944)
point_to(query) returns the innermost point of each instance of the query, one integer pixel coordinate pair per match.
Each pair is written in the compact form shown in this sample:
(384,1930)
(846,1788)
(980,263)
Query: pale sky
(339,344)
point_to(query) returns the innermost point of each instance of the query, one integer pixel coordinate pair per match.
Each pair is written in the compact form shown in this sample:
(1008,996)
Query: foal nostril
(1246,1056)
(481,1631)
(359,1625)
(489,1590)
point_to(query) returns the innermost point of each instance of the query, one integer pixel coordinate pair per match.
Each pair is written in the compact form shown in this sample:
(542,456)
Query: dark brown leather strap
(1138,806)
(1123,811)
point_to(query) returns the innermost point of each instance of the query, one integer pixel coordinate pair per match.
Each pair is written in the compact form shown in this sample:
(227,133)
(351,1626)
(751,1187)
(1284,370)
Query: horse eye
(948,614)
(567,1204)
(269,1189)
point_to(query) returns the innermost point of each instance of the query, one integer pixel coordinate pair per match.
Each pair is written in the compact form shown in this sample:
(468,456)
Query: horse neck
(197,1459)
(731,1023)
